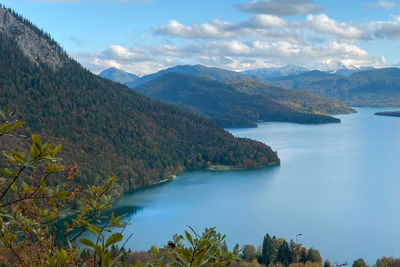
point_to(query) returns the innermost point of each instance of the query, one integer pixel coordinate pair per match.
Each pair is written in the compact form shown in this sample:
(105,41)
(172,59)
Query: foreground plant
(37,225)
(194,249)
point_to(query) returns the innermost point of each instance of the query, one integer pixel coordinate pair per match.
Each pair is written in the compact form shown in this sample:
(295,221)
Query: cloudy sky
(144,36)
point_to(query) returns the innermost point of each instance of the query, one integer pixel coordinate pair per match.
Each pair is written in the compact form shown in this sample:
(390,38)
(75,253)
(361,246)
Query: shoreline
(233,168)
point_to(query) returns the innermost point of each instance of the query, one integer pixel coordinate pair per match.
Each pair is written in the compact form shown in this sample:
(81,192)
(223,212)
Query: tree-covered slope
(298,100)
(199,70)
(389,113)
(378,87)
(107,128)
(223,102)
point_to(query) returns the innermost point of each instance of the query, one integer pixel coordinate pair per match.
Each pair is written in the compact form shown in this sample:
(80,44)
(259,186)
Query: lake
(338,185)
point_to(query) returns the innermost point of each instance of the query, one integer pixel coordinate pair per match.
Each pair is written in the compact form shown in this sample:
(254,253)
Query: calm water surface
(338,185)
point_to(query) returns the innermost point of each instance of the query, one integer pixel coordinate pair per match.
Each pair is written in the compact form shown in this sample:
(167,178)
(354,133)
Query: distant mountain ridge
(337,68)
(240,103)
(353,86)
(199,70)
(117,75)
(377,87)
(240,100)
(268,73)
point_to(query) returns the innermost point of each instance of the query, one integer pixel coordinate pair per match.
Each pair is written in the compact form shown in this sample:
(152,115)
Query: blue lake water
(338,185)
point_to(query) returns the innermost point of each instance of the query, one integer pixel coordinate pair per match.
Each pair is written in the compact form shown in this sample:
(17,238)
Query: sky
(144,36)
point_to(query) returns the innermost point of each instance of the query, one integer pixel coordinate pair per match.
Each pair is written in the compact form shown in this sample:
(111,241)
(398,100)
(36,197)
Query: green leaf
(7,173)
(87,242)
(189,237)
(17,125)
(18,157)
(36,140)
(43,186)
(99,250)
(51,261)
(8,156)
(112,179)
(13,186)
(64,253)
(62,256)
(66,224)
(94,229)
(62,195)
(35,151)
(4,128)
(114,238)
(27,189)
(56,149)
(106,259)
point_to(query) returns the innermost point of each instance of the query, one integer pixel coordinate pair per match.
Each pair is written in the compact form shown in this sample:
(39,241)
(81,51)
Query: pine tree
(267,248)
(313,255)
(284,255)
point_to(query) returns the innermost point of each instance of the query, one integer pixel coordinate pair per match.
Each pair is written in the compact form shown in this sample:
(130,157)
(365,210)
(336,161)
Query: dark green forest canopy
(108,129)
(230,105)
(379,87)
(389,113)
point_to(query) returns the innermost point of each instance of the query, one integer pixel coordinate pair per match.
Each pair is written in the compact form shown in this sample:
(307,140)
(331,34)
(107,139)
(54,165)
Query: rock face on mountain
(105,127)
(36,45)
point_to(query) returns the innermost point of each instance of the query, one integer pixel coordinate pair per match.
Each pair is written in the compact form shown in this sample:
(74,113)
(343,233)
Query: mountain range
(353,86)
(234,99)
(240,103)
(105,127)
(199,70)
(119,76)
(268,73)
(333,68)
(377,87)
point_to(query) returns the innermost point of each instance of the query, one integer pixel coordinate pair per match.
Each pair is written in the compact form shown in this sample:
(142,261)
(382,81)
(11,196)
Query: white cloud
(216,29)
(265,21)
(129,59)
(384,4)
(213,29)
(263,26)
(120,53)
(239,56)
(263,40)
(386,29)
(235,55)
(281,7)
(325,25)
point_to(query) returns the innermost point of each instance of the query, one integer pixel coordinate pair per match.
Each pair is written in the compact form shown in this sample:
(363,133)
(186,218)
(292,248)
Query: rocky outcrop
(38,48)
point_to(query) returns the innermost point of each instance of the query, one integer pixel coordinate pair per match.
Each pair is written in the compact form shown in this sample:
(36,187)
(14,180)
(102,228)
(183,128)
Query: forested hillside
(105,127)
(199,70)
(378,87)
(298,100)
(227,105)
(389,113)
